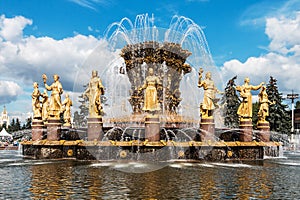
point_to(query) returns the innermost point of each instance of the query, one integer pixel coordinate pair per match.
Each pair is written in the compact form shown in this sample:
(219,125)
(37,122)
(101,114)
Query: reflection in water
(207,188)
(51,180)
(54,179)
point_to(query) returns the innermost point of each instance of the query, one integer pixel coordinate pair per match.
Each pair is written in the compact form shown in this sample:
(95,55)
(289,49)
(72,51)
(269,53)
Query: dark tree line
(15,125)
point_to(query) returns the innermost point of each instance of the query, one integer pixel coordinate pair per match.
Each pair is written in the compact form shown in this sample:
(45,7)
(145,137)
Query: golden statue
(245,108)
(209,99)
(263,105)
(36,106)
(67,103)
(45,106)
(55,100)
(150,95)
(93,92)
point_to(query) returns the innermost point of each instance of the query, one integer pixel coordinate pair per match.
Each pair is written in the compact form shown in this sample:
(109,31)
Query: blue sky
(227,24)
(246,38)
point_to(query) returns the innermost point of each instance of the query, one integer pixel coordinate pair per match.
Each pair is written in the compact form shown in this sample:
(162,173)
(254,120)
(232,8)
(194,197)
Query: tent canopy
(4,133)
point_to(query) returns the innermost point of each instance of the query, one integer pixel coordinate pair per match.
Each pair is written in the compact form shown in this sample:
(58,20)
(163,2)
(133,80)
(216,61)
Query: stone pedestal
(53,129)
(152,128)
(207,126)
(37,129)
(264,131)
(246,129)
(95,131)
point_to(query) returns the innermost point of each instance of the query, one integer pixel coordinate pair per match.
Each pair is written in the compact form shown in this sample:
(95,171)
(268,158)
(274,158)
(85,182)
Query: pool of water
(69,179)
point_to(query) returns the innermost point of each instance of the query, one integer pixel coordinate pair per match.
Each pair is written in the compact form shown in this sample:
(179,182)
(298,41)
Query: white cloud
(24,59)
(9,91)
(32,56)
(284,33)
(11,29)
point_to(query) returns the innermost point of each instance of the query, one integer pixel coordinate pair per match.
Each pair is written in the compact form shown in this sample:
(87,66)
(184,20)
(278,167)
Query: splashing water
(182,31)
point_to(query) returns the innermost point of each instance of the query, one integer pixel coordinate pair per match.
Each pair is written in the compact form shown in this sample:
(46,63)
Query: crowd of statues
(53,107)
(209,103)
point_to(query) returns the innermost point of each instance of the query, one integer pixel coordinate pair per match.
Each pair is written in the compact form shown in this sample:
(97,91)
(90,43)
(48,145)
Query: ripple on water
(237,165)
(290,163)
(102,164)
(205,165)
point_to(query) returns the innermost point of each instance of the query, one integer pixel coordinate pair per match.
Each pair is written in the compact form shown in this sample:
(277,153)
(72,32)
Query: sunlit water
(69,179)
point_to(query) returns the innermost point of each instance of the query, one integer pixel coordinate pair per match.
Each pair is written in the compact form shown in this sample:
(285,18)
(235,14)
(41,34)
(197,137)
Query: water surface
(69,179)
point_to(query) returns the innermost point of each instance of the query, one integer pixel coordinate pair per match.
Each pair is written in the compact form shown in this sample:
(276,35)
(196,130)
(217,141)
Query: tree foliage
(279,117)
(27,124)
(15,125)
(255,109)
(80,118)
(230,102)
(297,105)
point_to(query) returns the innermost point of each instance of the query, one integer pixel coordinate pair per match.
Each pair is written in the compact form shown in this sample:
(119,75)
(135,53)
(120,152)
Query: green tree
(230,103)
(255,108)
(80,118)
(297,105)
(3,126)
(11,127)
(15,125)
(279,117)
(18,125)
(27,124)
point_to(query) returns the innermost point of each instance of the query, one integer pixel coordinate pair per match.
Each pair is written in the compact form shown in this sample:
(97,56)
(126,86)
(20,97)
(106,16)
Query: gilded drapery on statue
(67,103)
(245,108)
(150,94)
(209,99)
(55,99)
(93,92)
(36,106)
(45,106)
(263,105)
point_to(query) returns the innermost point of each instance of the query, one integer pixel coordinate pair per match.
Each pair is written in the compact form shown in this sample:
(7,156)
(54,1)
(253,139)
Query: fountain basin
(160,150)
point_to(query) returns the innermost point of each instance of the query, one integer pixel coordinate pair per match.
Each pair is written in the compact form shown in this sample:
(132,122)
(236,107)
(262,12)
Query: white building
(4,118)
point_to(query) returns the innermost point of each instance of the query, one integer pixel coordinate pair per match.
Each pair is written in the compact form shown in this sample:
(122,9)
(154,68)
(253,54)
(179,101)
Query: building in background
(4,118)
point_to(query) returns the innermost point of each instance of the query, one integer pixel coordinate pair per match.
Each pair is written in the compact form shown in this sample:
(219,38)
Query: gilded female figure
(93,92)
(45,106)
(209,98)
(36,106)
(67,103)
(245,108)
(150,95)
(55,100)
(263,105)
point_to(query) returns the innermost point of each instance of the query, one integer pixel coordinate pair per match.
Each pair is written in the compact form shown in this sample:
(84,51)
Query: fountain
(151,106)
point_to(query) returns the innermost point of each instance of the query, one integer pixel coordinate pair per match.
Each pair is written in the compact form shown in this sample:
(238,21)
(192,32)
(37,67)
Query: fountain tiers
(168,62)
